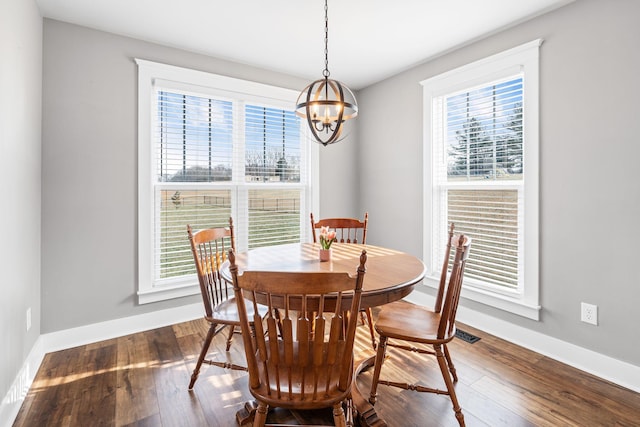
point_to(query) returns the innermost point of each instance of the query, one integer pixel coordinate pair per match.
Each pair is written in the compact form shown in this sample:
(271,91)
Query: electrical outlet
(28,319)
(589,313)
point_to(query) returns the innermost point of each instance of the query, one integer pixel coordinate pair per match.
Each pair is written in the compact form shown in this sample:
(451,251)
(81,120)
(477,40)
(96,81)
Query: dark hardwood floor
(141,380)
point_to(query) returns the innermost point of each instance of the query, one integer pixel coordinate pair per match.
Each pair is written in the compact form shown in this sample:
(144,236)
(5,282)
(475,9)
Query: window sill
(512,305)
(167,292)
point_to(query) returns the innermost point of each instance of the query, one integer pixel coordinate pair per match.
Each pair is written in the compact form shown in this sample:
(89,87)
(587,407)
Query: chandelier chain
(326,104)
(326,73)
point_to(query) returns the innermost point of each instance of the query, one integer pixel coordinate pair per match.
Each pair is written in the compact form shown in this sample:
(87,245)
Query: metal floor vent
(466,336)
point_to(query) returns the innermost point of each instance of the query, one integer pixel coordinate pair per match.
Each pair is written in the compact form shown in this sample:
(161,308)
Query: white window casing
(203,182)
(479,178)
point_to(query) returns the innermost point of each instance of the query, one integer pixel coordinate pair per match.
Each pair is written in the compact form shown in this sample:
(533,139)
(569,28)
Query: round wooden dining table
(390,276)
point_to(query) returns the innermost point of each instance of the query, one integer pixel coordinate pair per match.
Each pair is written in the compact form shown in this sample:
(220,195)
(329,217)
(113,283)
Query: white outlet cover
(589,313)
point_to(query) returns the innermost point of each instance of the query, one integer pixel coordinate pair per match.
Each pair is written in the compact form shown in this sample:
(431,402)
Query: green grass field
(272,221)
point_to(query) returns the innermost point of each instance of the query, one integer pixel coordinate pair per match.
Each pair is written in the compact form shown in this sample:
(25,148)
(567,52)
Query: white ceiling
(369,40)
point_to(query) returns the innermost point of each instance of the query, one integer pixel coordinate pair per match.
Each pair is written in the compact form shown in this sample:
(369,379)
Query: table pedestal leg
(245,415)
(367,416)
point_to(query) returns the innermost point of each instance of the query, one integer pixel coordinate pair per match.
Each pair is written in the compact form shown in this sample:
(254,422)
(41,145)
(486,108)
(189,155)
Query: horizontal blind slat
(494,229)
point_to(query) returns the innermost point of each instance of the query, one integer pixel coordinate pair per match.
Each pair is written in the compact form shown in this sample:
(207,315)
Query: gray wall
(339,177)
(589,148)
(89,226)
(20,117)
(589,201)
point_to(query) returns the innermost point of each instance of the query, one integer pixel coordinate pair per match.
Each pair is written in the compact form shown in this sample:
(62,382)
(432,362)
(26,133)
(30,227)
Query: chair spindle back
(450,307)
(443,273)
(348,230)
(209,248)
(300,355)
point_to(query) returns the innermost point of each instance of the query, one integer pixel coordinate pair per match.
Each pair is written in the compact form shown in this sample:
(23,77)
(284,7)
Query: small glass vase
(324,255)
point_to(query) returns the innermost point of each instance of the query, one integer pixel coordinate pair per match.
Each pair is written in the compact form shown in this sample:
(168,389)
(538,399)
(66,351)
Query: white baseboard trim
(12,401)
(600,365)
(82,335)
(87,334)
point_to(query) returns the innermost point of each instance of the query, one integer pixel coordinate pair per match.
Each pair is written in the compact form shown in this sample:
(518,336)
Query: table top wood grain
(391,275)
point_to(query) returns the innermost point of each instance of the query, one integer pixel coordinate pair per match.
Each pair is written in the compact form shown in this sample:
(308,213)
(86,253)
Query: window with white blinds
(216,148)
(481,149)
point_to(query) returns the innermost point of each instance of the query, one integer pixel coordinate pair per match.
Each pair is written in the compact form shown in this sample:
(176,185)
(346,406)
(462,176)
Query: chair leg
(369,316)
(442,362)
(203,354)
(232,330)
(338,415)
(261,415)
(362,317)
(349,413)
(452,368)
(382,346)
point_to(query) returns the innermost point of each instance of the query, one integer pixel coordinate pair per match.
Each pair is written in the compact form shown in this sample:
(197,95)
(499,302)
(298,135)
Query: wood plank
(95,387)
(220,392)
(136,400)
(49,397)
(177,406)
(141,380)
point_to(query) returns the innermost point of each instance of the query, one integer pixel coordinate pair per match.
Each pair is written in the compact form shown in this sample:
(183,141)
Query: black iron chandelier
(326,104)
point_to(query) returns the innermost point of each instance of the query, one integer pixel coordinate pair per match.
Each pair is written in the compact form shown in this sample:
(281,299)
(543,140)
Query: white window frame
(523,60)
(152,74)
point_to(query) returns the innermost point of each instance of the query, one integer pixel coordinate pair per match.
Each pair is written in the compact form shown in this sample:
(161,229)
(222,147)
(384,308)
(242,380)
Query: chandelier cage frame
(326,104)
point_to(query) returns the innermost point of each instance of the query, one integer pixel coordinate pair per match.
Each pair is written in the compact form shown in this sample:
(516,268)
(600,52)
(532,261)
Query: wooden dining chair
(405,323)
(209,248)
(302,358)
(348,230)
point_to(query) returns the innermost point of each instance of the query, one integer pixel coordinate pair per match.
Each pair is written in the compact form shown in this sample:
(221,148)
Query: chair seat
(406,321)
(227,312)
